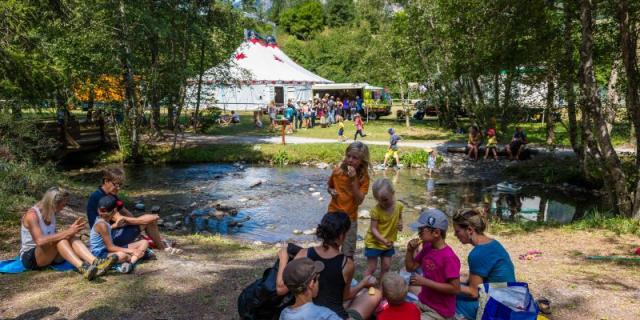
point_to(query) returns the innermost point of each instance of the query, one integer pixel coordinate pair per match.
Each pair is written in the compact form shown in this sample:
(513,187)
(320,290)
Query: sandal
(171,250)
(545,305)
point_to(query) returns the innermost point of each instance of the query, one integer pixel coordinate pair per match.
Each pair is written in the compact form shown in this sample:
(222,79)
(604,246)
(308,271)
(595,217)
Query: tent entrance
(279,95)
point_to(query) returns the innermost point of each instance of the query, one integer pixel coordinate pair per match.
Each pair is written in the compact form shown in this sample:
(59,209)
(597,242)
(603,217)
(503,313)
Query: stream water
(279,201)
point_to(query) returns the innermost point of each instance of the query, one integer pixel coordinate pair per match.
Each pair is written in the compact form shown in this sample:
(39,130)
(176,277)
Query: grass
(591,221)
(274,153)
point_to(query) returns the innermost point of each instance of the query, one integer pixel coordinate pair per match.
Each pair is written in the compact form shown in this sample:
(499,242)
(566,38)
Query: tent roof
(344,86)
(258,62)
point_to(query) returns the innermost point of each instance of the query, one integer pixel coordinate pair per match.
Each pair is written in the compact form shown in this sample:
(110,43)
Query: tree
(340,12)
(303,20)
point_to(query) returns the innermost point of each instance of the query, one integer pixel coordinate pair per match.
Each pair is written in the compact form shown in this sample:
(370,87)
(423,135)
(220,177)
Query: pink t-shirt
(438,265)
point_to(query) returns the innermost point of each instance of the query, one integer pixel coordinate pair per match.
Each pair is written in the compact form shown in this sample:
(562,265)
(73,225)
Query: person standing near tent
(289,115)
(359,103)
(346,109)
(331,103)
(299,114)
(339,110)
(273,111)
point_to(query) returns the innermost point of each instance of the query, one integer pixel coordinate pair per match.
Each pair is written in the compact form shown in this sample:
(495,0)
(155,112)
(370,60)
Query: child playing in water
(386,221)
(440,265)
(348,185)
(492,144)
(392,151)
(102,244)
(431,160)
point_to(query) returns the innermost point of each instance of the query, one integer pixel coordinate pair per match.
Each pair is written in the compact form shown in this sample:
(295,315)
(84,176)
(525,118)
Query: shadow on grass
(36,314)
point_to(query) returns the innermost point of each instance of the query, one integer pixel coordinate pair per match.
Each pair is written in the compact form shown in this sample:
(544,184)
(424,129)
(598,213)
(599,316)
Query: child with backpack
(440,281)
(102,244)
(386,221)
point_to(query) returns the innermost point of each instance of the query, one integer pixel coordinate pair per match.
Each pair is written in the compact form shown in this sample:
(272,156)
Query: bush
(281,158)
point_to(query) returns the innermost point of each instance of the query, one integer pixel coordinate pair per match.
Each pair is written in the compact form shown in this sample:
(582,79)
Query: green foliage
(596,219)
(281,157)
(414,159)
(303,20)
(550,170)
(340,12)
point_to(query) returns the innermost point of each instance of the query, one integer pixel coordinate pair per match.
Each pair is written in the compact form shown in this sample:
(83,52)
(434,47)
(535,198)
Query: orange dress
(344,201)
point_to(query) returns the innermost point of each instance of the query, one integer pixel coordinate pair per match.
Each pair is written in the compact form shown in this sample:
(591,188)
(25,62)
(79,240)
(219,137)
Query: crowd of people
(116,235)
(325,112)
(321,277)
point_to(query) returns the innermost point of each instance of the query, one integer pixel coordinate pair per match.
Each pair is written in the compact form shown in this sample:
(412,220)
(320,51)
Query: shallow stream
(278,201)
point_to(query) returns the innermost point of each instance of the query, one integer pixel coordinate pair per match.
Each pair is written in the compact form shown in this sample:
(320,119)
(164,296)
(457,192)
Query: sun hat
(298,272)
(432,218)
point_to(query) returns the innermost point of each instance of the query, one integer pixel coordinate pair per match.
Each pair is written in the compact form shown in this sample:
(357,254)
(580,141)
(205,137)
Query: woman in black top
(335,290)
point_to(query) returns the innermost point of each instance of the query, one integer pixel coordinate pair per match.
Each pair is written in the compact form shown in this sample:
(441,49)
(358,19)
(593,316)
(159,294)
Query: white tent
(257,73)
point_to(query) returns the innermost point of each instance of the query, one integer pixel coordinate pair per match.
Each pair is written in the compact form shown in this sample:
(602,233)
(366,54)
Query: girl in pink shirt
(359,127)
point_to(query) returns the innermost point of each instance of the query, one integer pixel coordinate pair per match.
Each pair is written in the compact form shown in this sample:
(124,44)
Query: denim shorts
(371,252)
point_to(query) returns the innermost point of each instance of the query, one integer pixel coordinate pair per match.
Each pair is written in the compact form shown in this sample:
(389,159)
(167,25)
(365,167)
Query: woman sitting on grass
(43,246)
(488,260)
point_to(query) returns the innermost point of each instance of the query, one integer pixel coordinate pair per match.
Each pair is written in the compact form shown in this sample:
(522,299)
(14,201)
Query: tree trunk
(569,82)
(549,110)
(200,75)
(130,103)
(615,177)
(506,104)
(628,44)
(613,100)
(478,91)
(154,91)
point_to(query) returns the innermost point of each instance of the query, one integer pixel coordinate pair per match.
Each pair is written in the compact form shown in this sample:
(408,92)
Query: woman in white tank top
(42,245)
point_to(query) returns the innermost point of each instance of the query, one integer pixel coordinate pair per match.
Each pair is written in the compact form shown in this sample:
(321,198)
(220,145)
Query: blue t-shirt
(309,311)
(359,104)
(92,205)
(393,142)
(492,262)
(288,113)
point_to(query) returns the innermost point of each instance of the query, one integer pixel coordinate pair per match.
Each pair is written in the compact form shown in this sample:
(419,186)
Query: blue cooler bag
(506,301)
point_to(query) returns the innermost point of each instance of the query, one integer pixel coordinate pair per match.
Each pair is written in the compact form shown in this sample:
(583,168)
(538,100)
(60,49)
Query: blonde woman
(43,246)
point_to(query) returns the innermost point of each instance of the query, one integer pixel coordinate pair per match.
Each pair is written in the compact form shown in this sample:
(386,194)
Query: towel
(15,266)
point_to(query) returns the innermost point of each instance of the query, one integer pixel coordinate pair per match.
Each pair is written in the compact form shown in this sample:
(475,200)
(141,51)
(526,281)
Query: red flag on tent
(240,56)
(277,58)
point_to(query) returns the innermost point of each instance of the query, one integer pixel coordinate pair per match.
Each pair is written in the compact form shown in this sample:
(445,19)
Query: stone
(442,200)
(160,222)
(243,200)
(309,231)
(178,223)
(320,199)
(255,183)
(155,209)
(419,208)
(139,206)
(176,216)
(322,165)
(193,204)
(258,243)
(297,232)
(434,198)
(312,189)
(315,194)
(364,214)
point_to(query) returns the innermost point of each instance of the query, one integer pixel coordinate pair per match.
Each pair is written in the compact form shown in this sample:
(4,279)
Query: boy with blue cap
(440,266)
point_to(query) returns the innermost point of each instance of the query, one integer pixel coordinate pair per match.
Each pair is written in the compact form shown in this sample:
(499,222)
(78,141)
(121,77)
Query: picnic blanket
(15,266)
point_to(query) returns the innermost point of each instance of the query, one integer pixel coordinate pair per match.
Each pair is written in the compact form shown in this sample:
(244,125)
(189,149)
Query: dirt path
(205,281)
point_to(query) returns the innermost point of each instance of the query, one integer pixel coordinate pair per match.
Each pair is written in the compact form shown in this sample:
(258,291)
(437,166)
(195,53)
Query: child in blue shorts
(386,221)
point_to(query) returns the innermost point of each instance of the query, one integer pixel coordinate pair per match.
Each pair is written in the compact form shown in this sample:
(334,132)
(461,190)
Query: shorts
(427,313)
(392,153)
(349,245)
(355,315)
(340,132)
(103,253)
(372,252)
(28,259)
(123,236)
(515,146)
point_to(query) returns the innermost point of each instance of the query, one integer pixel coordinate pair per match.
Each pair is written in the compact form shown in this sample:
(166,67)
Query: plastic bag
(506,301)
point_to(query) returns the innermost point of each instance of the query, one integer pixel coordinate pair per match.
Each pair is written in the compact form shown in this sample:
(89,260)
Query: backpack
(259,299)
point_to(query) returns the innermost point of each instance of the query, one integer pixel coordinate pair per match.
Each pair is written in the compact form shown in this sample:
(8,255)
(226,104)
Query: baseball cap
(432,218)
(107,202)
(298,272)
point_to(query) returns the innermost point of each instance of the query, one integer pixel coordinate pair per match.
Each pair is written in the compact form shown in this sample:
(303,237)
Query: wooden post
(284,128)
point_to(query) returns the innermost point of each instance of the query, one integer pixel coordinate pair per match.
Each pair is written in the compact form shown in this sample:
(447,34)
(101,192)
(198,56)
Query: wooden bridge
(78,135)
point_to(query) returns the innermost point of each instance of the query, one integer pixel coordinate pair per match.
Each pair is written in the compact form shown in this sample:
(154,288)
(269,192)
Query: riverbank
(206,280)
